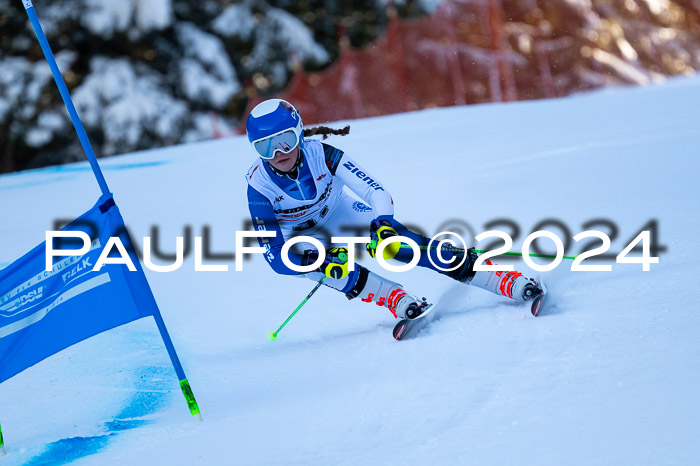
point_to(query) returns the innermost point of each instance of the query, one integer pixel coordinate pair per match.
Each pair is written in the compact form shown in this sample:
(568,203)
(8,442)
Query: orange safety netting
(423,63)
(481,51)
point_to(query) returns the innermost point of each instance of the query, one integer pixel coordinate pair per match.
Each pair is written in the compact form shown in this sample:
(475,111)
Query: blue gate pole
(82,135)
(184,384)
(2,444)
(87,147)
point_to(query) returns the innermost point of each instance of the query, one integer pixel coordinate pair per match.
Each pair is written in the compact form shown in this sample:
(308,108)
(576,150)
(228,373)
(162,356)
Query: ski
(540,301)
(409,328)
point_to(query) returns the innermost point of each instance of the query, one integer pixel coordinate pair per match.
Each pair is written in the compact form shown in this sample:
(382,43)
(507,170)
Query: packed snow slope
(609,376)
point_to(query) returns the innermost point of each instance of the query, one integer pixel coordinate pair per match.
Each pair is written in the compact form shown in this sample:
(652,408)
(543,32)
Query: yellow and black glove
(379,230)
(335,264)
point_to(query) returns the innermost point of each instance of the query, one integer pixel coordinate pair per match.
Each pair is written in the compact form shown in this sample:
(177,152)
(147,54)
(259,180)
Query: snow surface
(609,377)
(429,6)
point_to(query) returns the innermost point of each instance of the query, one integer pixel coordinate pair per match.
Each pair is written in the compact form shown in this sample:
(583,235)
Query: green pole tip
(189,397)
(272,336)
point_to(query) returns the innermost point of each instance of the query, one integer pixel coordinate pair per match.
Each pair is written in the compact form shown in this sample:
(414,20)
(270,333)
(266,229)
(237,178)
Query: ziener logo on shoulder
(363,176)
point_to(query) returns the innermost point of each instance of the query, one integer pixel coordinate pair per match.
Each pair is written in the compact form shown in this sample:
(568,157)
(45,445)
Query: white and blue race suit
(315,204)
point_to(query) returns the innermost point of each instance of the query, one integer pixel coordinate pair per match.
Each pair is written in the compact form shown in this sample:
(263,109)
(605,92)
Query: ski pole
(273,335)
(481,251)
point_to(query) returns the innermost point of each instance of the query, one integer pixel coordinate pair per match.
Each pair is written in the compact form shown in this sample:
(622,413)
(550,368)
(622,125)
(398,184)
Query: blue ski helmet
(274,126)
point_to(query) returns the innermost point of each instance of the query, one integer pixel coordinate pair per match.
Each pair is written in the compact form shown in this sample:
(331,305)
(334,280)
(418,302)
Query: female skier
(295,187)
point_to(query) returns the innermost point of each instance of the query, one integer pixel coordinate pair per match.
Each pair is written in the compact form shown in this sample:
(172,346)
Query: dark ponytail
(325,131)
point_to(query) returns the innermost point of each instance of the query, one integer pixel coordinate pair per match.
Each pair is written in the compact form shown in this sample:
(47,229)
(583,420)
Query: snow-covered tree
(143,73)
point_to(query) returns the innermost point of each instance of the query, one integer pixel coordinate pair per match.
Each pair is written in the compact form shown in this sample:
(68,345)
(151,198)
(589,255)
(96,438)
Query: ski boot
(408,306)
(513,284)
(531,290)
(373,288)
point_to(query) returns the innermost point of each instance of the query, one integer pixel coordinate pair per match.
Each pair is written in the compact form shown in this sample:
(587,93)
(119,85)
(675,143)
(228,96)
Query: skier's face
(285,162)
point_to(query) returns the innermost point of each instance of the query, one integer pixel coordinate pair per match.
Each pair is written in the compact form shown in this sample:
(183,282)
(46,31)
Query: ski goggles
(284,142)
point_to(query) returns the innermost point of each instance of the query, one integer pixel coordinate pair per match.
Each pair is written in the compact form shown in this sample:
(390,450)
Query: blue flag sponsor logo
(45,311)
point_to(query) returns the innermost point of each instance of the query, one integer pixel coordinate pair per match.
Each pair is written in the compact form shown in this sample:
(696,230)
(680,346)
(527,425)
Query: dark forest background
(149,73)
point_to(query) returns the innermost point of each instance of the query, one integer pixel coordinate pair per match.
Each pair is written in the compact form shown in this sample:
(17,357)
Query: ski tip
(537,305)
(400,329)
(272,336)
(539,300)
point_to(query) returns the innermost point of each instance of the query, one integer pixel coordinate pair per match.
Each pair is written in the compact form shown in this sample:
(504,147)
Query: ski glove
(379,230)
(335,264)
